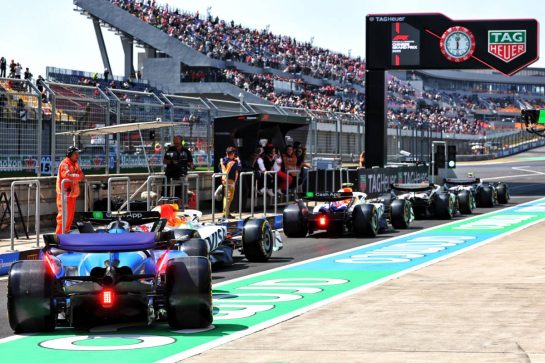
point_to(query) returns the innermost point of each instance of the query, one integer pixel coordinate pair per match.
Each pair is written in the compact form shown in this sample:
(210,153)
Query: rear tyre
(30,298)
(400,213)
(294,223)
(195,247)
(257,240)
(464,201)
(443,206)
(503,193)
(365,220)
(188,289)
(485,197)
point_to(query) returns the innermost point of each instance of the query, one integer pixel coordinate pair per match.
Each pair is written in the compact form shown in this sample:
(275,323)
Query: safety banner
(248,304)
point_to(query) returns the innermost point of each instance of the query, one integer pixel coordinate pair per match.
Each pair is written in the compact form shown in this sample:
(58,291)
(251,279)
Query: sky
(40,33)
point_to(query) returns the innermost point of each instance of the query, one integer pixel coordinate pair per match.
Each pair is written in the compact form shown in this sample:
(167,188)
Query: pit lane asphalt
(524,173)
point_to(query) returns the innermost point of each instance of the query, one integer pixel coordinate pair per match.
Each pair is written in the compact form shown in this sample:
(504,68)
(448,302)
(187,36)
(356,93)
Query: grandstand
(187,74)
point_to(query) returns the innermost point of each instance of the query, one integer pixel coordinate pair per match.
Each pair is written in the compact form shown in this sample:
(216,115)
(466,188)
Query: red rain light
(322,221)
(107,298)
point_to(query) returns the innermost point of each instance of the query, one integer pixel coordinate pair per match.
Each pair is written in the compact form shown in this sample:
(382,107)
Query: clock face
(457,44)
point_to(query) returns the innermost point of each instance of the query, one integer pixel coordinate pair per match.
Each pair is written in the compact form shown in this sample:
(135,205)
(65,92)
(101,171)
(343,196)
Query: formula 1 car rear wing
(326,196)
(412,187)
(469,181)
(133,218)
(106,242)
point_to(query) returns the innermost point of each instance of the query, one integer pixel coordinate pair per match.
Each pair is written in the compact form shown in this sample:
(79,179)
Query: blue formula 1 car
(90,279)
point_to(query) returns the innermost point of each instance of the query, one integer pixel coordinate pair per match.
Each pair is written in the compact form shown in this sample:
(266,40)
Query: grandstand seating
(224,40)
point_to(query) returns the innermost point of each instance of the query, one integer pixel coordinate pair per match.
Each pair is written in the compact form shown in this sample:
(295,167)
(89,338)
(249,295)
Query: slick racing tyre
(401,213)
(195,247)
(443,206)
(465,201)
(365,220)
(485,197)
(188,293)
(257,240)
(503,193)
(30,298)
(294,222)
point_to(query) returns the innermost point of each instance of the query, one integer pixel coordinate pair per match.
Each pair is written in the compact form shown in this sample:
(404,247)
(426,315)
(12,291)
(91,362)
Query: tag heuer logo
(507,44)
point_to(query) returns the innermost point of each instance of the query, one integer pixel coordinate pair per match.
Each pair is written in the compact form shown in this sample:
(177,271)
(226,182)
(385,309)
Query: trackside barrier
(127,180)
(289,173)
(12,210)
(214,177)
(265,191)
(63,199)
(148,187)
(252,191)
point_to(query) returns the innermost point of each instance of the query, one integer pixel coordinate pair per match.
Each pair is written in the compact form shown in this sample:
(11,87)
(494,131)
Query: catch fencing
(31,116)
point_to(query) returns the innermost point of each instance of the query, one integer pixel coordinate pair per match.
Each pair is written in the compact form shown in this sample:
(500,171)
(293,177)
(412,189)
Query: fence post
(53,131)
(37,212)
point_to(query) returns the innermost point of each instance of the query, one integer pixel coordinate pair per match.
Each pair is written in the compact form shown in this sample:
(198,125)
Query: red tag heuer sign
(507,44)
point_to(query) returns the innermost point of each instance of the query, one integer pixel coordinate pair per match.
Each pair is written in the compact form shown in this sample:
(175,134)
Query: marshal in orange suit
(68,169)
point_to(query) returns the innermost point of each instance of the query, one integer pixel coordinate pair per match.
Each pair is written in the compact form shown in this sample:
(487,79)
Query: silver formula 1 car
(427,199)
(484,194)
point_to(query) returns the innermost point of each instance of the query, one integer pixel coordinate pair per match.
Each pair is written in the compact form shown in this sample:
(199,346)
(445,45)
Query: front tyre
(257,240)
(401,213)
(30,298)
(195,247)
(188,292)
(465,201)
(294,222)
(503,193)
(365,220)
(485,197)
(443,206)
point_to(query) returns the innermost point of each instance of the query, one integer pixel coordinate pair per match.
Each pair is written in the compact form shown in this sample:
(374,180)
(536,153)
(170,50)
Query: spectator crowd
(261,48)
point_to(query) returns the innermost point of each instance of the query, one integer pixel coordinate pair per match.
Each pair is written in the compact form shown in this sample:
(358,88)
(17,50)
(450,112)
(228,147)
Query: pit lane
(525,176)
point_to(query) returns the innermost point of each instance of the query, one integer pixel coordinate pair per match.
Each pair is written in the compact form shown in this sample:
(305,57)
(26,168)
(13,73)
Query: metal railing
(289,173)
(127,180)
(265,191)
(197,186)
(226,194)
(252,192)
(341,179)
(12,210)
(148,187)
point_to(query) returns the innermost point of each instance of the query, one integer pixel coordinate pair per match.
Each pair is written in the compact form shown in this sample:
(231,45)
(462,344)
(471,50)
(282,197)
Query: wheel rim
(407,214)
(374,221)
(267,243)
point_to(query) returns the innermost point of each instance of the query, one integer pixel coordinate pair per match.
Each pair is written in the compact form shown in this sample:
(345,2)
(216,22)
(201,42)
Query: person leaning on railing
(178,161)
(231,166)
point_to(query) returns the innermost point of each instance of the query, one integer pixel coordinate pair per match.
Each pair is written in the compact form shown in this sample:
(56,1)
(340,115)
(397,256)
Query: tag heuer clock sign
(435,41)
(457,44)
